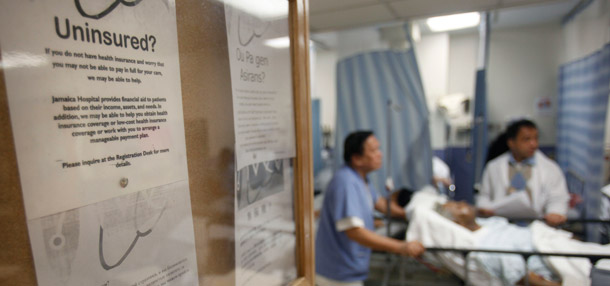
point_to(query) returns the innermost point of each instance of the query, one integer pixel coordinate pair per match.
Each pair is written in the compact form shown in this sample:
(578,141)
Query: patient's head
(461,213)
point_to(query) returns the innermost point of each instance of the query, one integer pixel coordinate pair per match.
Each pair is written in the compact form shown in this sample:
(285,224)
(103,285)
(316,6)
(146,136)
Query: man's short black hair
(354,144)
(513,129)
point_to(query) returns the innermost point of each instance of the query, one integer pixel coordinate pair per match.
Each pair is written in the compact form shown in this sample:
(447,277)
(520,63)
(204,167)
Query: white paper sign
(94,97)
(261,80)
(143,238)
(264,224)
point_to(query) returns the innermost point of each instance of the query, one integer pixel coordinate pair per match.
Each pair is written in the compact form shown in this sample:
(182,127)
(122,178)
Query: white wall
(523,66)
(433,58)
(325,85)
(463,63)
(432,54)
(587,32)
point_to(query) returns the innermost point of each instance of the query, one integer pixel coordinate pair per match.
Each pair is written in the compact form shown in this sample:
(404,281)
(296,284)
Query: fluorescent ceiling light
(453,22)
(278,43)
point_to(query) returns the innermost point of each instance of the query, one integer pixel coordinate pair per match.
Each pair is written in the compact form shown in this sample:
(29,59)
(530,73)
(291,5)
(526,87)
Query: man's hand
(412,248)
(554,219)
(537,280)
(485,212)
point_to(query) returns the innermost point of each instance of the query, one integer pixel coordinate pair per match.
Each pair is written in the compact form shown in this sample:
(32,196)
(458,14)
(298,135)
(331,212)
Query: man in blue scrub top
(346,231)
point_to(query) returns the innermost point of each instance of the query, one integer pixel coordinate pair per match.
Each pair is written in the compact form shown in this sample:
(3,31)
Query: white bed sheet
(573,271)
(433,230)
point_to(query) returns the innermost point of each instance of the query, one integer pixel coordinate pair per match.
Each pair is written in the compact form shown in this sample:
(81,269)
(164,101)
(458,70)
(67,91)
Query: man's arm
(396,211)
(374,241)
(558,197)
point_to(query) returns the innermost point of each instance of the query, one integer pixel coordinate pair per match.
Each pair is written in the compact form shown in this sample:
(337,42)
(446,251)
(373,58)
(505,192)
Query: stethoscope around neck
(139,234)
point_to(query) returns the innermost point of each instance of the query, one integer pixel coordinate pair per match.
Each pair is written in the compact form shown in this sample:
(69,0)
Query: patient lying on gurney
(497,233)
(438,223)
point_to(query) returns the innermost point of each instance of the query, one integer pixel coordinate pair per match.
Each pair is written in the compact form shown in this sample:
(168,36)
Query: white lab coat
(547,184)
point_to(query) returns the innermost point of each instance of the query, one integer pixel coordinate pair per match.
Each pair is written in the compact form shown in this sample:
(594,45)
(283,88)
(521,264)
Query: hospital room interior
(437,94)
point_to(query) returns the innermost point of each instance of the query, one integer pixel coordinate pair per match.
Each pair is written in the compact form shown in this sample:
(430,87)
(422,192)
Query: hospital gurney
(593,258)
(453,245)
(465,255)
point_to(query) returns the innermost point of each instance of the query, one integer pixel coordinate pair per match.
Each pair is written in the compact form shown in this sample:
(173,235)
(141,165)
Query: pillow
(425,198)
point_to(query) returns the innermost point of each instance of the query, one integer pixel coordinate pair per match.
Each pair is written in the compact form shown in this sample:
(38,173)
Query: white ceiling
(333,15)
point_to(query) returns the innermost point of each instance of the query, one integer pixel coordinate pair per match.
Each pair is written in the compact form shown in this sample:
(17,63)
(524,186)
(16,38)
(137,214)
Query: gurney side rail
(525,254)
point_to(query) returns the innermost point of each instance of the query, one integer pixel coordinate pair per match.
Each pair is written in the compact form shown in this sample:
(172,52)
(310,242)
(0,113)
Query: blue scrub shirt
(338,257)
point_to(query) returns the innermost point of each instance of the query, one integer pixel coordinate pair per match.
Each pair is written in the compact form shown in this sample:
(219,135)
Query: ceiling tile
(521,2)
(409,9)
(351,18)
(328,15)
(325,6)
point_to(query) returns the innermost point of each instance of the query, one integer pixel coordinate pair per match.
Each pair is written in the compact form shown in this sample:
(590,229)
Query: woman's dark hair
(354,144)
(497,147)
